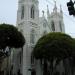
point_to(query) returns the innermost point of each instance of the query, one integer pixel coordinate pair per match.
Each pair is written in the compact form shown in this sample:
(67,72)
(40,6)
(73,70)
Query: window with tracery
(60,25)
(22,12)
(33,12)
(32,36)
(52,26)
(32,59)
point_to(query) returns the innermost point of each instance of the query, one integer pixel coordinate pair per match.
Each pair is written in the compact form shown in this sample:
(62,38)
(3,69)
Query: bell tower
(56,20)
(27,23)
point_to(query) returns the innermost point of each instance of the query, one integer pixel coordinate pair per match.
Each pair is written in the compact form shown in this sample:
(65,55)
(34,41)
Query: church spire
(61,9)
(43,13)
(47,11)
(55,7)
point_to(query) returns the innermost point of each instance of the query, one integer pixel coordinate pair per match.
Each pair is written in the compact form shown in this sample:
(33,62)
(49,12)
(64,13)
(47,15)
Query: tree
(72,59)
(53,46)
(10,37)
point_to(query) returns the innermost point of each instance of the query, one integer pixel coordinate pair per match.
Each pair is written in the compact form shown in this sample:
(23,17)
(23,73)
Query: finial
(47,6)
(43,12)
(60,8)
(47,11)
(60,5)
(55,7)
(55,3)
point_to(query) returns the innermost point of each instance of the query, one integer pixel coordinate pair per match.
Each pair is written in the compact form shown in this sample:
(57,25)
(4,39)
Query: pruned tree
(53,46)
(10,37)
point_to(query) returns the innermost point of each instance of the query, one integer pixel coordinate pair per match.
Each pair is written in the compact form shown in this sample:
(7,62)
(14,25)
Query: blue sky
(8,12)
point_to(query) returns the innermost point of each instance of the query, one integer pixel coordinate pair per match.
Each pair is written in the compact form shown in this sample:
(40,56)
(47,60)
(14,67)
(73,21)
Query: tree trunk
(45,67)
(66,67)
(51,67)
(71,63)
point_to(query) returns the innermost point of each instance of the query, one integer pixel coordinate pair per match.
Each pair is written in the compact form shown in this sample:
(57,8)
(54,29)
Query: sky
(8,12)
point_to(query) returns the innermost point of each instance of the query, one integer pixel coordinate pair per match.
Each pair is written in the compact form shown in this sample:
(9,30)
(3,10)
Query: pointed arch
(33,11)
(32,36)
(52,26)
(32,59)
(60,25)
(22,12)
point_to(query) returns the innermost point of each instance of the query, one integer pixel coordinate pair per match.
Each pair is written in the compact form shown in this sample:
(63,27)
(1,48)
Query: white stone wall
(26,24)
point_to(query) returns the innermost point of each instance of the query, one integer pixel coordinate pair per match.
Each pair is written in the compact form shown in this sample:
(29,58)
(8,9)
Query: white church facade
(33,27)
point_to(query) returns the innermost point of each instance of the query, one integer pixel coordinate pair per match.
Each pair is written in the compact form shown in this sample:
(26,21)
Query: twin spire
(54,9)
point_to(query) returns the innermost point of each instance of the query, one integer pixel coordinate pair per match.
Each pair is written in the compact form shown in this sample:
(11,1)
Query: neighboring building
(33,27)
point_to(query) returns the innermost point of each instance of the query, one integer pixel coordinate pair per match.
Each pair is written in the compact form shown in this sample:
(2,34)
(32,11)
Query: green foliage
(10,37)
(53,45)
(73,48)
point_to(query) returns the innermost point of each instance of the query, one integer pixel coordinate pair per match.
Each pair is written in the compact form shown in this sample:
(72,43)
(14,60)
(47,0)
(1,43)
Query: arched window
(60,25)
(33,12)
(32,59)
(52,26)
(32,36)
(22,12)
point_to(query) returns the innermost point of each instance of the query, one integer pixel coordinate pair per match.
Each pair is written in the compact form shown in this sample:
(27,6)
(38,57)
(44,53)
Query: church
(33,27)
